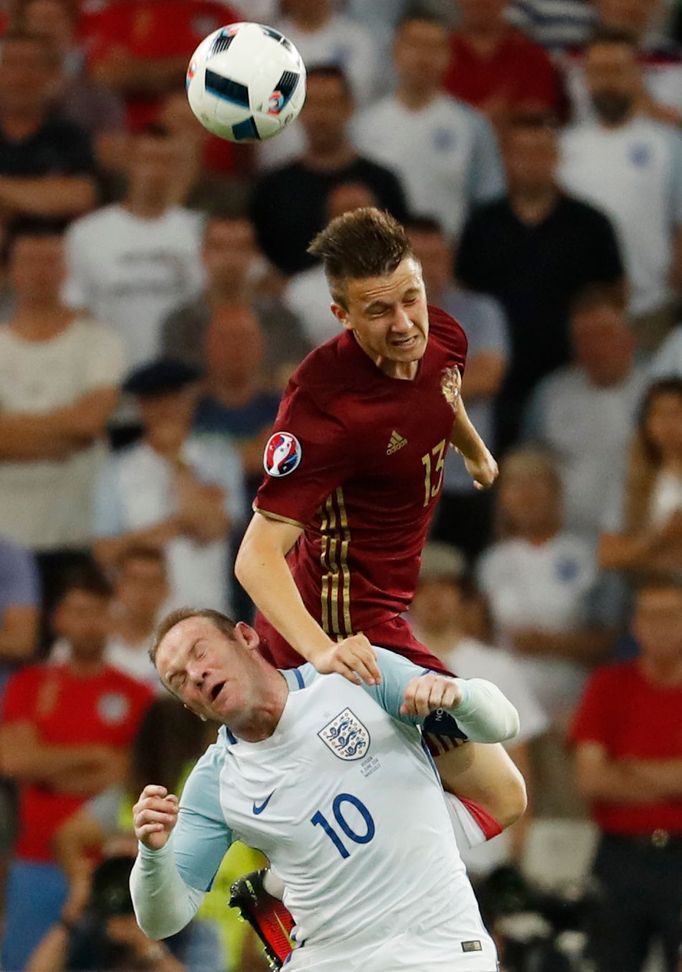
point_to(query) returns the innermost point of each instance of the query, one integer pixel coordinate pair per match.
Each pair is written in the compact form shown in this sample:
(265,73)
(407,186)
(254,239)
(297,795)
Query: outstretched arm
(262,570)
(478,459)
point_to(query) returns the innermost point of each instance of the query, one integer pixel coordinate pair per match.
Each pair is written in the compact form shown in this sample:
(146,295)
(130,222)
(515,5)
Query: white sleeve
(162,901)
(484,714)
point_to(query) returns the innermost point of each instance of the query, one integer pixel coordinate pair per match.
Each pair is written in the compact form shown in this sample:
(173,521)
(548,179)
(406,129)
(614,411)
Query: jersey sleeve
(305,459)
(396,672)
(450,334)
(201,837)
(20,695)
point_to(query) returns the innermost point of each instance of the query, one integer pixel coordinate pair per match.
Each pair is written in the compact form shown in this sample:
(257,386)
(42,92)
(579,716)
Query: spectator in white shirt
(60,373)
(173,491)
(643,530)
(444,151)
(585,412)
(131,263)
(631,167)
(540,581)
(440,613)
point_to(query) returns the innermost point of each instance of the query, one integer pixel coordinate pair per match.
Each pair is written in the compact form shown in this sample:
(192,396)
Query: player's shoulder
(327,372)
(447,329)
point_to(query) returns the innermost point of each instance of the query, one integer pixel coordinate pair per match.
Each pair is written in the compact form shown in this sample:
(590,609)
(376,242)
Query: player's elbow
(508,800)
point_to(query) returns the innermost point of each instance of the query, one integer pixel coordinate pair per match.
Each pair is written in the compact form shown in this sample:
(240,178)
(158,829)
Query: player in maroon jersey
(354,469)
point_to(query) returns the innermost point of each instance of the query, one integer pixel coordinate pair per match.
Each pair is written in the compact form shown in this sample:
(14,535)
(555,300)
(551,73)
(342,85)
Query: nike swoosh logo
(259,807)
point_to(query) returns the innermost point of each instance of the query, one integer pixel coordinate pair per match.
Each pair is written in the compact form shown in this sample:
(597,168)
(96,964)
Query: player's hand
(426,693)
(354,658)
(154,816)
(483,470)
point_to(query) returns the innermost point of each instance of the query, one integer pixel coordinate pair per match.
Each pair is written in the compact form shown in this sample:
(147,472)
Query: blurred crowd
(155,297)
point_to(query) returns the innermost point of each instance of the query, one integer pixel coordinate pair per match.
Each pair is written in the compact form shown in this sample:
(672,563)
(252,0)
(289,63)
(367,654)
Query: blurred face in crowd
(422,55)
(528,496)
(531,155)
(663,423)
(228,252)
(629,15)
(310,12)
(613,80)
(27,71)
(215,675)
(657,624)
(83,619)
(347,197)
(435,256)
(437,604)
(167,418)
(53,19)
(154,163)
(603,343)
(481,14)
(389,317)
(37,268)
(142,587)
(235,345)
(326,113)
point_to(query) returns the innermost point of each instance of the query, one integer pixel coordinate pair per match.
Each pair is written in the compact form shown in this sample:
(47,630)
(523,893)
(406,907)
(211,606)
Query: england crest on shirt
(346,736)
(282,454)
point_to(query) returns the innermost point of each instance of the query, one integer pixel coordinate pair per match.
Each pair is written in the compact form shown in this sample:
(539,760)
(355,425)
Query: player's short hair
(359,244)
(217,618)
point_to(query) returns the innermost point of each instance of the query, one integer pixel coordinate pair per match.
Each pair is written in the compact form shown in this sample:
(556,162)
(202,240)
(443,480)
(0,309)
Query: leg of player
(489,791)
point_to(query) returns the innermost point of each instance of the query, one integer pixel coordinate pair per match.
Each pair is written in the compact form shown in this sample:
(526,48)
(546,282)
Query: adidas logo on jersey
(397,441)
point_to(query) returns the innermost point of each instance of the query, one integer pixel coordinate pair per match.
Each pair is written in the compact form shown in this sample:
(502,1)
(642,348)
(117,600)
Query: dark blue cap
(159,377)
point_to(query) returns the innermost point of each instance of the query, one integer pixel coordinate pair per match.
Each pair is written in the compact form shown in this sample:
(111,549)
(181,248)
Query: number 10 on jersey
(319,820)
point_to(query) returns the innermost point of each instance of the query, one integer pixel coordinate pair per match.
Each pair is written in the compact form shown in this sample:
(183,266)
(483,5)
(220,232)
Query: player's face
(389,318)
(530,157)
(214,675)
(613,79)
(84,620)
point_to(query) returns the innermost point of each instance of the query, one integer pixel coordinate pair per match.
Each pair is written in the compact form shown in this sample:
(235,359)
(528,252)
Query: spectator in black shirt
(534,250)
(289,204)
(46,162)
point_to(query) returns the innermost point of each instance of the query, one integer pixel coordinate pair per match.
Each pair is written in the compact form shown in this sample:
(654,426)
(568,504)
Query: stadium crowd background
(155,295)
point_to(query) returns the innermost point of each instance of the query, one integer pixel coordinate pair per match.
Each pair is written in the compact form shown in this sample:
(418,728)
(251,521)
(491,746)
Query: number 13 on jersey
(433,463)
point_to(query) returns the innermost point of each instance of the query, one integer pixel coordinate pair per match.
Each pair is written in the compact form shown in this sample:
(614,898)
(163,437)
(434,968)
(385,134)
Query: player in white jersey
(322,776)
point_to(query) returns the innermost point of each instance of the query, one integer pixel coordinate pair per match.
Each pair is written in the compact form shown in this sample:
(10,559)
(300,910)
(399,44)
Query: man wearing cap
(171,490)
(441,613)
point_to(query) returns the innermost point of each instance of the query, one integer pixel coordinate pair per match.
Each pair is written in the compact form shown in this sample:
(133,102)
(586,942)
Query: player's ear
(249,635)
(341,314)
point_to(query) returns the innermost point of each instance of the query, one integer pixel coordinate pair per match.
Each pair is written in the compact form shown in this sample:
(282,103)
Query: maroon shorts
(395,635)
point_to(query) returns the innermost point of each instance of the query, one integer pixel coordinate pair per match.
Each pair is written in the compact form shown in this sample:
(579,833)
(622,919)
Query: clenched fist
(426,693)
(354,658)
(154,816)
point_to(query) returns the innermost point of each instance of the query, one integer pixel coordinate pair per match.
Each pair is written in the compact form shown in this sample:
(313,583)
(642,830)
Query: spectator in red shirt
(628,734)
(140,48)
(65,732)
(498,69)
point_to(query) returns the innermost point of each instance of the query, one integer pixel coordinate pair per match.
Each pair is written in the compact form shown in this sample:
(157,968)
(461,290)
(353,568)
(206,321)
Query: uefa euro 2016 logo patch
(346,736)
(282,454)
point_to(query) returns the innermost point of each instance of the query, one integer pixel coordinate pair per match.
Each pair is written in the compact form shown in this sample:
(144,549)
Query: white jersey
(345,802)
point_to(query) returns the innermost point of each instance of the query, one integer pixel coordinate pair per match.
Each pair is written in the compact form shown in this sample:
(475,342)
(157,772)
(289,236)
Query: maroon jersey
(357,460)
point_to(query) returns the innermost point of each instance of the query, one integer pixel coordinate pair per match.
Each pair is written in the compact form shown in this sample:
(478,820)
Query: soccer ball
(246,82)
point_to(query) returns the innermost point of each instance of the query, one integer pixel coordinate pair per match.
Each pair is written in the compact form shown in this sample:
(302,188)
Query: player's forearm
(464,436)
(484,713)
(663,775)
(263,572)
(163,903)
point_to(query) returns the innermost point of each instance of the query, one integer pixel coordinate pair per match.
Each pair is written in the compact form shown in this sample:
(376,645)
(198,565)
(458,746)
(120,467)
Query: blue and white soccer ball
(246,82)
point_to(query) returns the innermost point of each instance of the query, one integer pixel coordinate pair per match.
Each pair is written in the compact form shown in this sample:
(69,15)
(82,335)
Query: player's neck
(533,206)
(40,320)
(264,714)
